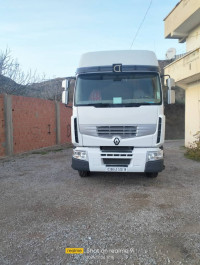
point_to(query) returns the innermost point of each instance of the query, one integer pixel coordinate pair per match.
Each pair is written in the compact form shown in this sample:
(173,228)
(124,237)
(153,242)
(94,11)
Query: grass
(45,152)
(57,150)
(40,152)
(193,151)
(182,147)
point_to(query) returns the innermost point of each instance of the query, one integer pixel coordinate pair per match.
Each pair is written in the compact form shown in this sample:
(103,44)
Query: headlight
(154,155)
(80,154)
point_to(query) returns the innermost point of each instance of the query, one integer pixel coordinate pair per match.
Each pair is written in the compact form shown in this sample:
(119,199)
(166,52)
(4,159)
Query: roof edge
(172,10)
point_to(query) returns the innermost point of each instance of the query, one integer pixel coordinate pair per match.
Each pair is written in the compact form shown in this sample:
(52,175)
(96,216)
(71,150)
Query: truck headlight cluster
(154,155)
(80,154)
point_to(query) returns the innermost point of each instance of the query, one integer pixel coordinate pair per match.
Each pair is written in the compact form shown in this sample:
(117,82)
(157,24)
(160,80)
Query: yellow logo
(74,251)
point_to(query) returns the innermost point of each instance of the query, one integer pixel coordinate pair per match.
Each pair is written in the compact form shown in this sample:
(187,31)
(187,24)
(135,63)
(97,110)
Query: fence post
(57,106)
(8,124)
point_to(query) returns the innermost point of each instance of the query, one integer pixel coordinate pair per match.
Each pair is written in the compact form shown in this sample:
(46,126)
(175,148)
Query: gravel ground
(119,218)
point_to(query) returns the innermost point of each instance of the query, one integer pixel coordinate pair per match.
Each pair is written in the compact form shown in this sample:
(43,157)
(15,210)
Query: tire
(152,174)
(83,174)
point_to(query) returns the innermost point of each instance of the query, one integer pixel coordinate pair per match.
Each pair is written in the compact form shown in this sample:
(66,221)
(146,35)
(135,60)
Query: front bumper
(80,165)
(137,160)
(154,166)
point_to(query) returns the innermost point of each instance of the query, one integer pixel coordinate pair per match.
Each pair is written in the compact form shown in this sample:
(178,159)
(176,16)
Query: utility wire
(141,23)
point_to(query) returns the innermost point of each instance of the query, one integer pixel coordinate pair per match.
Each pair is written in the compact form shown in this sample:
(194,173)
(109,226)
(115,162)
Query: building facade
(183,23)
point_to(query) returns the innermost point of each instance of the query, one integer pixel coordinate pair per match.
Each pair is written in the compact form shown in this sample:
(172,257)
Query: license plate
(116,169)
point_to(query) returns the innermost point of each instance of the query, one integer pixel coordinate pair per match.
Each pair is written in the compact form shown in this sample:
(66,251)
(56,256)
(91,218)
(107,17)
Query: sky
(50,35)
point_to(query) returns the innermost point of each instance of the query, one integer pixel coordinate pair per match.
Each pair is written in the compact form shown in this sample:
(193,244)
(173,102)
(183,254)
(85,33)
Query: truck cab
(118,121)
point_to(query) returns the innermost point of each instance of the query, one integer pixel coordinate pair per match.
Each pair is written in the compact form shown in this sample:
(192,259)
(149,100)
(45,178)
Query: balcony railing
(186,68)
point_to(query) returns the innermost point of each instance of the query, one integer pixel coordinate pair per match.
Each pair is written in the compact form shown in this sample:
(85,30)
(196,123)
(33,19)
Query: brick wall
(2,127)
(34,124)
(65,123)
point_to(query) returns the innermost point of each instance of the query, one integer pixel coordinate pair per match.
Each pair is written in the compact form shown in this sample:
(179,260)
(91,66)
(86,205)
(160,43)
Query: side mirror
(65,93)
(171,93)
(171,96)
(65,84)
(170,83)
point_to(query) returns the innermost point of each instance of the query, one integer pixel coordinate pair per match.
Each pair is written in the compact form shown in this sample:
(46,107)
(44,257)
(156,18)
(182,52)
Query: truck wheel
(83,174)
(152,174)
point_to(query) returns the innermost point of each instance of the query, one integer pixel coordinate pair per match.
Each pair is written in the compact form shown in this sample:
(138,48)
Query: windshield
(125,89)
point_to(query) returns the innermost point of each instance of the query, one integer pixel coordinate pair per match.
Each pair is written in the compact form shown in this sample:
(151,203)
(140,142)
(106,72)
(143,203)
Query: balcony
(182,19)
(186,69)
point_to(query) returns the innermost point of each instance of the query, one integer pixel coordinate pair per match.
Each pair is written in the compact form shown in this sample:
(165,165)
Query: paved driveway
(46,207)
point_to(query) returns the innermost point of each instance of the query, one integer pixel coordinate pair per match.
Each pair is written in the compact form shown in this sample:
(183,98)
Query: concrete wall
(31,123)
(65,123)
(193,40)
(175,20)
(186,69)
(192,112)
(175,121)
(2,127)
(183,23)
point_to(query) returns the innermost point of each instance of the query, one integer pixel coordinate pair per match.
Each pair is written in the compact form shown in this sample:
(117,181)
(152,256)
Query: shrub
(193,151)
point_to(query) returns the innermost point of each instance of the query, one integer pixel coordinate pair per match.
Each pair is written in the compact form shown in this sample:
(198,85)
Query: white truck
(118,121)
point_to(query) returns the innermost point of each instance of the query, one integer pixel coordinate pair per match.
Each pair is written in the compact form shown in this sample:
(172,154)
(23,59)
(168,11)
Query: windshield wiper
(104,105)
(136,104)
(97,105)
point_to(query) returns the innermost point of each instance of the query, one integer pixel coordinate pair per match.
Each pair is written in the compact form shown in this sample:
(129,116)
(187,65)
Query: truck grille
(119,153)
(122,131)
(126,131)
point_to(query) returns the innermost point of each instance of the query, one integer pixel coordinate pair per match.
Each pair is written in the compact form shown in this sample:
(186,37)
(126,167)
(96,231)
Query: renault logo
(117,68)
(116,141)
